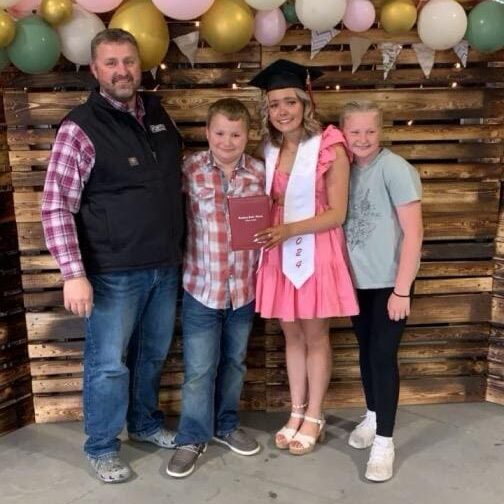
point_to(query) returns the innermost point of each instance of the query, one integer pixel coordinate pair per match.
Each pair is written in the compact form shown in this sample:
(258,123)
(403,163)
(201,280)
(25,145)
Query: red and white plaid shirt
(72,159)
(213,274)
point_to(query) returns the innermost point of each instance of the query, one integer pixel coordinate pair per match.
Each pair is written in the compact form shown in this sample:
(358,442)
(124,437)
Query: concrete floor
(444,454)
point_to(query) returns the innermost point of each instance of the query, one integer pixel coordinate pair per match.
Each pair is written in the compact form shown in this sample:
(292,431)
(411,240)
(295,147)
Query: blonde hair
(231,108)
(310,124)
(359,106)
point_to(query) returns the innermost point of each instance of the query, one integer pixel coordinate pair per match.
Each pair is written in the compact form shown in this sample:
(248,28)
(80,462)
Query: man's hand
(78,296)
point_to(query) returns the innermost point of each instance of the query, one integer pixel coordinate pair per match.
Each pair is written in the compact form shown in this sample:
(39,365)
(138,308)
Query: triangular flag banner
(390,51)
(425,56)
(462,50)
(153,72)
(320,39)
(188,45)
(77,67)
(358,47)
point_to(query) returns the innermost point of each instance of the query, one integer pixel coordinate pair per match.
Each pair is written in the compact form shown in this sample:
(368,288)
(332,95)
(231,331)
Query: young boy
(384,238)
(219,290)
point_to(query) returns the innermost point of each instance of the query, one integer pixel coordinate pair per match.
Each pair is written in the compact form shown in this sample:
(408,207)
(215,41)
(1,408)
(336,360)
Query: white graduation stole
(298,252)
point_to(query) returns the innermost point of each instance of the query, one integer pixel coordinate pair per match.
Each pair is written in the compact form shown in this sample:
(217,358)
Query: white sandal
(307,442)
(288,433)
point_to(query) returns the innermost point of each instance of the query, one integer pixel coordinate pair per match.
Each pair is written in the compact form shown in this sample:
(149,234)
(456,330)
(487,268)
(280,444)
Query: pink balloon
(24,8)
(99,5)
(183,9)
(359,15)
(269,27)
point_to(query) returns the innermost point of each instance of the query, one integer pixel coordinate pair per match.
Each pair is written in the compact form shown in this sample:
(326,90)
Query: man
(113,219)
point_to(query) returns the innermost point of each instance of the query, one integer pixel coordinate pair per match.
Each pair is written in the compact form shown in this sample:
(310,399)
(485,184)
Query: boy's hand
(398,307)
(78,296)
(273,236)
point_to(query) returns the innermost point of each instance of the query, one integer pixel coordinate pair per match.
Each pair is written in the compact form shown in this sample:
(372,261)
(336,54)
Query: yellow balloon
(56,12)
(7,29)
(228,25)
(398,16)
(148,26)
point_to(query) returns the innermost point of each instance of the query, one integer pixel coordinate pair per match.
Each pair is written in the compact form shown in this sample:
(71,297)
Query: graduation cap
(285,74)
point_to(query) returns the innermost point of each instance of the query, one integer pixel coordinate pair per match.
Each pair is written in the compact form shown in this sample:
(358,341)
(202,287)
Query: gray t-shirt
(372,227)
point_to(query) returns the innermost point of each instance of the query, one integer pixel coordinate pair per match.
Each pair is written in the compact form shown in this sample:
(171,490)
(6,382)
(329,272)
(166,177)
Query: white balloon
(76,35)
(4,4)
(442,24)
(320,15)
(265,4)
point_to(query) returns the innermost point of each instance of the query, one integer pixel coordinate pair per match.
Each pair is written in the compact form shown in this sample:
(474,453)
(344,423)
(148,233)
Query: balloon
(24,8)
(289,11)
(4,4)
(398,16)
(321,15)
(7,29)
(36,46)
(76,35)
(148,26)
(99,5)
(228,25)
(265,4)
(269,27)
(485,28)
(359,15)
(4,60)
(442,24)
(183,9)
(56,11)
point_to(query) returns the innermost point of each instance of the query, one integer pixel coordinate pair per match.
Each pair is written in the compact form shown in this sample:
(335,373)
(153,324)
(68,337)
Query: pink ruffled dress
(329,291)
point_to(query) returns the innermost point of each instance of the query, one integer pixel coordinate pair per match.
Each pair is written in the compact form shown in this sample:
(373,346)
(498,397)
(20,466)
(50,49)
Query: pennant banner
(390,51)
(358,48)
(320,39)
(462,50)
(188,45)
(425,56)
(153,72)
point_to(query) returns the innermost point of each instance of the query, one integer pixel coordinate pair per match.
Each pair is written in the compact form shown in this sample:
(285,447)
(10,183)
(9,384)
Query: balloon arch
(34,33)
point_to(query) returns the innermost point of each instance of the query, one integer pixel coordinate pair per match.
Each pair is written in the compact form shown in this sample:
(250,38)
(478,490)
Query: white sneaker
(380,466)
(363,435)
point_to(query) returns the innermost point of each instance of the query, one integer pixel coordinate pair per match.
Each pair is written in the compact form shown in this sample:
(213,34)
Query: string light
(162,66)
(337,87)
(454,84)
(196,23)
(410,122)
(457,66)
(234,85)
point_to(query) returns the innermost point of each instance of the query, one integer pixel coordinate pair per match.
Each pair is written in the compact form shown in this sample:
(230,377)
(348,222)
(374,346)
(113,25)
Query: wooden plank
(415,391)
(457,250)
(453,286)
(57,324)
(495,391)
(438,269)
(463,226)
(38,263)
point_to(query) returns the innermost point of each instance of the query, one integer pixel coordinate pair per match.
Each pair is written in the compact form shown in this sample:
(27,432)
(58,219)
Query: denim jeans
(215,347)
(128,336)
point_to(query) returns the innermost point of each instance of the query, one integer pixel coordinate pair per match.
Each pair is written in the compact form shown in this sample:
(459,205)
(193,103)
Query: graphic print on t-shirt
(363,220)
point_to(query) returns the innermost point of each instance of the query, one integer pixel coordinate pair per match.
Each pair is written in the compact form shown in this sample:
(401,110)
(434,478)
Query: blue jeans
(215,347)
(127,338)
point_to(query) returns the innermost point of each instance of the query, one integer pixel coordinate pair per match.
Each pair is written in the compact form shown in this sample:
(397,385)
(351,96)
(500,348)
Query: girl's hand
(273,236)
(398,307)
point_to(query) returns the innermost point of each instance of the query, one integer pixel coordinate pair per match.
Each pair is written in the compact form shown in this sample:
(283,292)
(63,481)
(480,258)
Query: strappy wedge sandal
(285,435)
(307,442)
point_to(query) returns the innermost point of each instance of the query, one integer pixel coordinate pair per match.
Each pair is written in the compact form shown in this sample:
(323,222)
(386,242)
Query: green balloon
(289,12)
(36,47)
(4,60)
(485,26)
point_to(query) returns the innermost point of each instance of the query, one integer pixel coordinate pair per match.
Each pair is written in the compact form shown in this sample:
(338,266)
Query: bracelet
(399,295)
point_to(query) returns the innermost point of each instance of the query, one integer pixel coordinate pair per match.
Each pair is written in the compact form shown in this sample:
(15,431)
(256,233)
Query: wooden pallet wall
(454,140)
(16,401)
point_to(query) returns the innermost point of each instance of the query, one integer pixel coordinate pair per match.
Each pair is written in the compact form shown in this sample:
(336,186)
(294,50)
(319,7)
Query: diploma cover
(247,216)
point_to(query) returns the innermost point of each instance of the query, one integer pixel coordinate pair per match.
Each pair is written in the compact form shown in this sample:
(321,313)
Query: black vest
(131,214)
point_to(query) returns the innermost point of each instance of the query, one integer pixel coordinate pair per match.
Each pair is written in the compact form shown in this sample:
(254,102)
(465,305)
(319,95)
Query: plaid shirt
(72,159)
(213,274)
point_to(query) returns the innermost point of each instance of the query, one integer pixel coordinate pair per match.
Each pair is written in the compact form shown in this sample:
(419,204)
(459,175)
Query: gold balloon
(398,16)
(148,26)
(7,29)
(56,12)
(228,25)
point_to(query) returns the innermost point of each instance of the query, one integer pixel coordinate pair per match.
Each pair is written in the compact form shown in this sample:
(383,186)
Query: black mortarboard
(285,74)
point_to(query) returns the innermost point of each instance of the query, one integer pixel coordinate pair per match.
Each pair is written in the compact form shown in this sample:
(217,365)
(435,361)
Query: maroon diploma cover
(247,216)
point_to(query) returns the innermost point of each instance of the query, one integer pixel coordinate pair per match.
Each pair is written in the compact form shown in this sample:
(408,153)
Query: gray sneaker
(111,469)
(183,461)
(162,438)
(240,442)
